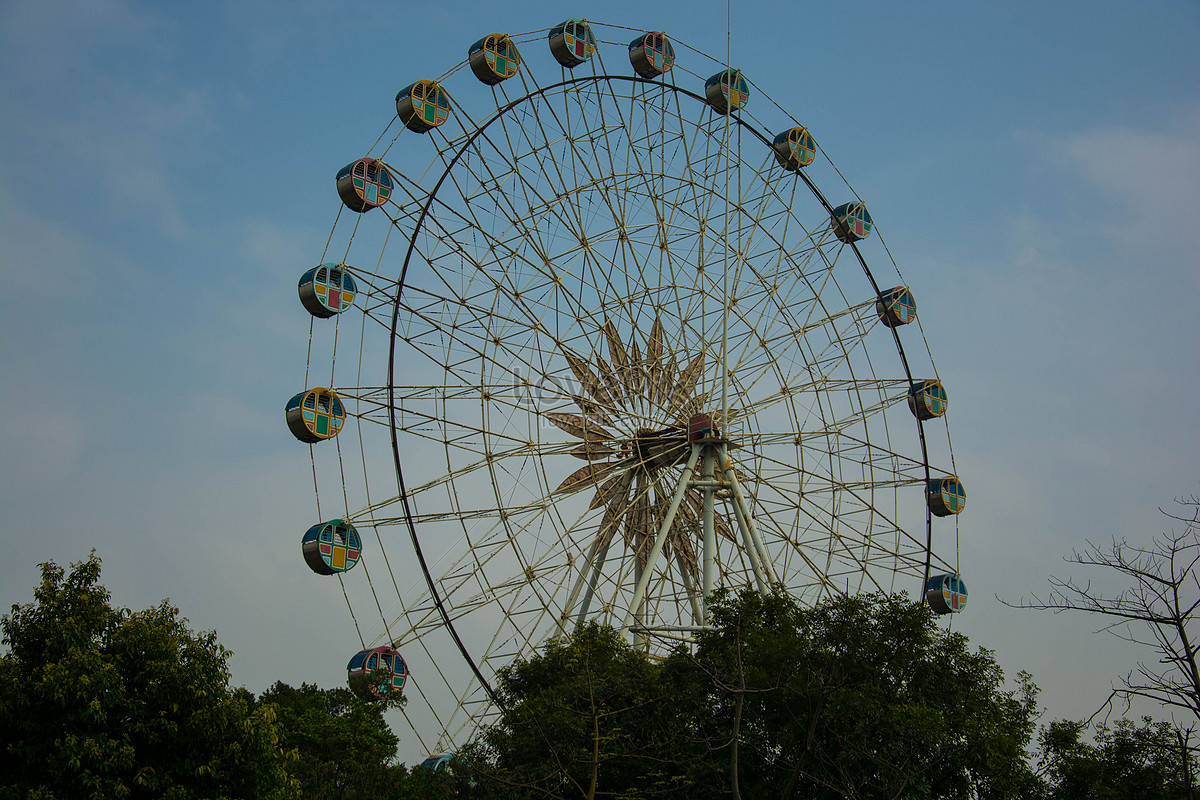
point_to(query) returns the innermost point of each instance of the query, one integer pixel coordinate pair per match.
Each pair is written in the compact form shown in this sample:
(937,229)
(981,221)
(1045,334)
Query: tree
(582,718)
(99,702)
(858,697)
(343,746)
(1151,761)
(1156,608)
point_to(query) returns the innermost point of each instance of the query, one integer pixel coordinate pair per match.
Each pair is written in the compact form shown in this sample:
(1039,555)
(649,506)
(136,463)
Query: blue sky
(165,176)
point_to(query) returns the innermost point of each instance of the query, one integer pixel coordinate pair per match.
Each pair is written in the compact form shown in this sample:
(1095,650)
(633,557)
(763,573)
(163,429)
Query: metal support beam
(664,529)
(710,529)
(590,572)
(750,538)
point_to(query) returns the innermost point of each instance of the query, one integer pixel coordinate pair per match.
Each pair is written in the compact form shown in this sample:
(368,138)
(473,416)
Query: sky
(165,178)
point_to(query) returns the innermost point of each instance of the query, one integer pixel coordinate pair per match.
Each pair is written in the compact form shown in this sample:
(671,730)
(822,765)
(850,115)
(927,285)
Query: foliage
(582,719)
(98,702)
(1151,761)
(443,784)
(1156,608)
(862,696)
(858,697)
(341,744)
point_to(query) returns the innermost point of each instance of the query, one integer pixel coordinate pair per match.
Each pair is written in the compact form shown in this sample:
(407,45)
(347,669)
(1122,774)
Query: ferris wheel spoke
(754,213)
(601,139)
(675,145)
(652,136)
(541,190)
(494,196)
(547,140)
(606,133)
(581,165)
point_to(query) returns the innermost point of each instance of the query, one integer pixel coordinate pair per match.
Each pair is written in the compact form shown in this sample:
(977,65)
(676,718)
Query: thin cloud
(79,30)
(1154,173)
(119,139)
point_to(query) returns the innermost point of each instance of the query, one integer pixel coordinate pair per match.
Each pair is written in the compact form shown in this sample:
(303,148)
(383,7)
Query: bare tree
(1157,609)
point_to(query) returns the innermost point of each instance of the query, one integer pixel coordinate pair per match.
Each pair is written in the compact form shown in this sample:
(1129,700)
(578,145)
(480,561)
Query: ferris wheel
(601,346)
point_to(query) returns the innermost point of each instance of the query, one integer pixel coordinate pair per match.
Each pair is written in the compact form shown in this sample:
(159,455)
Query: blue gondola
(851,222)
(946,594)
(946,496)
(438,762)
(795,148)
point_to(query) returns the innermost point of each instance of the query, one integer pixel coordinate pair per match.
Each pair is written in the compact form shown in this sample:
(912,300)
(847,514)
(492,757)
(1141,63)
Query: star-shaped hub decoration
(634,467)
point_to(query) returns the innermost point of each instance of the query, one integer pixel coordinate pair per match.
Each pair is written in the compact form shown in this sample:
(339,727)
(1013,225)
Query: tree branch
(1155,610)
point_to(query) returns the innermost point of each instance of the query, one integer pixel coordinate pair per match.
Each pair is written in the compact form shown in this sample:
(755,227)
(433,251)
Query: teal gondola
(494,58)
(896,307)
(727,91)
(927,399)
(422,106)
(331,547)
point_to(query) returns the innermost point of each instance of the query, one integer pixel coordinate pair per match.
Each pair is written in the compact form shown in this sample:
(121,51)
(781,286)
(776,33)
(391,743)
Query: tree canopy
(100,702)
(585,717)
(857,697)
(1150,761)
(343,746)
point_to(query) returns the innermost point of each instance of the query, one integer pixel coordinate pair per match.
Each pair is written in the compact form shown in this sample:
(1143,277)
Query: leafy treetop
(100,702)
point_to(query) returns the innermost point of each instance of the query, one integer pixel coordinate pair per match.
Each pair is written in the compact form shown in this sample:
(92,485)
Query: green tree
(1151,761)
(343,746)
(99,702)
(583,718)
(858,697)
